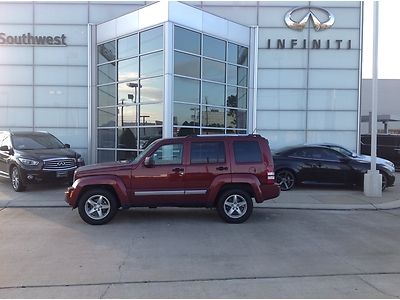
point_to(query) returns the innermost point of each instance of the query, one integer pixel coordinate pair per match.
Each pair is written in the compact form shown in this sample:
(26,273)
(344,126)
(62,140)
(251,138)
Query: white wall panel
(16,96)
(106,31)
(76,137)
(279,139)
(338,79)
(337,3)
(153,14)
(279,78)
(57,75)
(273,16)
(52,13)
(333,99)
(61,117)
(215,25)
(16,13)
(346,59)
(60,96)
(282,99)
(332,120)
(99,13)
(127,24)
(282,58)
(10,55)
(16,29)
(284,3)
(334,34)
(347,139)
(75,34)
(242,15)
(16,75)
(71,55)
(283,120)
(16,117)
(186,15)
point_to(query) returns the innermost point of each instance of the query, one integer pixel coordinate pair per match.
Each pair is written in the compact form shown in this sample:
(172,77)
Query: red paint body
(185,184)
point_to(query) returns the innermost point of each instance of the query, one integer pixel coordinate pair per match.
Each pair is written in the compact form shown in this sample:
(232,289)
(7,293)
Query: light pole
(373,179)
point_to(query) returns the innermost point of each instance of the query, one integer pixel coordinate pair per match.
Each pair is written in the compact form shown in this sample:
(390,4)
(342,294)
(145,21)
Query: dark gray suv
(31,157)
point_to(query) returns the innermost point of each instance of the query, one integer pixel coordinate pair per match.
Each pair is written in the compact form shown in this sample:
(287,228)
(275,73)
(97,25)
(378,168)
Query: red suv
(225,172)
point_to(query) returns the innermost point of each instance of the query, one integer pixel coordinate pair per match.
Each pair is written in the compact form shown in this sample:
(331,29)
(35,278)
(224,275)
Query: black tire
(286,179)
(97,206)
(235,206)
(16,179)
(384,181)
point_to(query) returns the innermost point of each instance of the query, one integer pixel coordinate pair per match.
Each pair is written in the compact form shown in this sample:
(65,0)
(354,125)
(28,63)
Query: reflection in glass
(213,116)
(232,53)
(151,40)
(127,138)
(236,97)
(187,65)
(242,56)
(127,115)
(186,90)
(232,75)
(235,131)
(128,46)
(106,95)
(186,115)
(213,93)
(242,76)
(128,69)
(106,138)
(152,90)
(128,93)
(213,47)
(151,114)
(187,40)
(185,131)
(105,156)
(126,155)
(236,118)
(212,131)
(213,70)
(106,117)
(106,73)
(237,54)
(151,64)
(106,52)
(147,135)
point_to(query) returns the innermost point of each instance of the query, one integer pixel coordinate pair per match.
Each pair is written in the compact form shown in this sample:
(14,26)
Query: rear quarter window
(247,152)
(207,153)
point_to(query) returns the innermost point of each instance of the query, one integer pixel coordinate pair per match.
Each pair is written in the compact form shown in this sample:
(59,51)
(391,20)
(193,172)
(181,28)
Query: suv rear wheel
(16,180)
(235,206)
(97,206)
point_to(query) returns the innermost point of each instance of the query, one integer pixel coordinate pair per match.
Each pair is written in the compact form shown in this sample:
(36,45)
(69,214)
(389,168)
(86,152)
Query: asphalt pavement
(303,197)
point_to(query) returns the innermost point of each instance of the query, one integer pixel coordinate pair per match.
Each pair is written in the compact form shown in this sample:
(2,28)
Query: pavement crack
(105,291)
(124,260)
(387,295)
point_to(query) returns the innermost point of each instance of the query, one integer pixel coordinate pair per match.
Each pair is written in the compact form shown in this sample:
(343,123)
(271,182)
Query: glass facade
(130,94)
(210,84)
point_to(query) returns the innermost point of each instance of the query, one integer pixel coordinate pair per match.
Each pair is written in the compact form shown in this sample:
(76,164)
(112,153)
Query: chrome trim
(169,193)
(196,192)
(301,24)
(57,170)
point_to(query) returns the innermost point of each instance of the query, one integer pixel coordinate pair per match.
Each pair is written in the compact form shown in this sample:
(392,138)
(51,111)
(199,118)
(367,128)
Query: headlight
(28,162)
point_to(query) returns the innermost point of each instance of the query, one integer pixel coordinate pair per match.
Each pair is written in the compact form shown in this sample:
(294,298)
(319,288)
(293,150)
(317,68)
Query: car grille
(59,164)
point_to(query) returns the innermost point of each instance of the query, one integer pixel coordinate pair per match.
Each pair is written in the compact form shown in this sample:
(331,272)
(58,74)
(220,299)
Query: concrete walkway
(304,197)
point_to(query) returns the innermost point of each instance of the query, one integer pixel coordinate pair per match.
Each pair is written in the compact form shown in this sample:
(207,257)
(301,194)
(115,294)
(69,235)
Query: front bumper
(37,176)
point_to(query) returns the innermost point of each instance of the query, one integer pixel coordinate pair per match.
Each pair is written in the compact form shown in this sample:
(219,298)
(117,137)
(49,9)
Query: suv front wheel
(235,206)
(97,206)
(16,179)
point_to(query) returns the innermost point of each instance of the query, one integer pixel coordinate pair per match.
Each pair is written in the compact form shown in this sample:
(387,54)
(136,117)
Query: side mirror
(4,148)
(67,146)
(149,162)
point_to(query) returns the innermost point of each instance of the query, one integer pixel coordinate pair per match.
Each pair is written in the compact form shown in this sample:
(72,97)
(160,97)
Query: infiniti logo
(310,14)
(61,163)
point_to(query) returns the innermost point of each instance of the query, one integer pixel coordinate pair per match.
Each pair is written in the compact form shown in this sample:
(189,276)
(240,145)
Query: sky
(389,39)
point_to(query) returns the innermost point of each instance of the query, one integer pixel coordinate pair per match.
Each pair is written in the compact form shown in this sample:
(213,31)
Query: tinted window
(187,40)
(151,40)
(207,152)
(247,152)
(214,48)
(168,154)
(128,46)
(32,142)
(187,65)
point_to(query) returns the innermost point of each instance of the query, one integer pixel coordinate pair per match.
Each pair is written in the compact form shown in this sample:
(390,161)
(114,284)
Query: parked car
(388,147)
(362,157)
(321,164)
(31,157)
(225,172)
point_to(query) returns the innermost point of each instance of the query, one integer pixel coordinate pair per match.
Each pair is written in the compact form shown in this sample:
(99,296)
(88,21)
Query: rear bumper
(268,192)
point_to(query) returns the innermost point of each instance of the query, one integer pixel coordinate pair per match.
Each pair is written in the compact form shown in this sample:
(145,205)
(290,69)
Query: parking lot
(49,252)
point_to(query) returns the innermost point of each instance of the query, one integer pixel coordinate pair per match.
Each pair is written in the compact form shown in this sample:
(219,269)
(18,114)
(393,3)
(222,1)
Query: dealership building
(110,77)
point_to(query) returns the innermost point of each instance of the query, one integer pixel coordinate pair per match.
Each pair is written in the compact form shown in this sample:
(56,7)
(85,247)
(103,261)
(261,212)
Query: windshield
(36,142)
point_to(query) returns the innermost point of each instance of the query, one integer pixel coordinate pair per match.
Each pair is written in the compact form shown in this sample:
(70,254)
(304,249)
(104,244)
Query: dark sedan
(324,165)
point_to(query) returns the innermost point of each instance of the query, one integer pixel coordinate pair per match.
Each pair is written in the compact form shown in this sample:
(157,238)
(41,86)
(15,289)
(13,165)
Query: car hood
(47,153)
(379,160)
(102,168)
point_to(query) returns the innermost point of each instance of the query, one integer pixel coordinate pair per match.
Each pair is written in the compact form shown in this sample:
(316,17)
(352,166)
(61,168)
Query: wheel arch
(234,186)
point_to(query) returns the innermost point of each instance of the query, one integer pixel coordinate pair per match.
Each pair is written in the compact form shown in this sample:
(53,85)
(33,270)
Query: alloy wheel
(97,207)
(235,206)
(285,179)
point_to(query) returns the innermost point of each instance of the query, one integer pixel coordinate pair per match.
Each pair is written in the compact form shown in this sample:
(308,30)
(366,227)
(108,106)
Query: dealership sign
(309,14)
(28,39)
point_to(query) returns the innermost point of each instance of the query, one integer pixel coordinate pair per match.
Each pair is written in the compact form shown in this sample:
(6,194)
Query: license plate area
(61,174)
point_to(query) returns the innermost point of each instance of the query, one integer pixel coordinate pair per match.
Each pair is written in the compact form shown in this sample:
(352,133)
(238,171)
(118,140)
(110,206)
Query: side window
(247,152)
(326,154)
(207,153)
(168,155)
(5,140)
